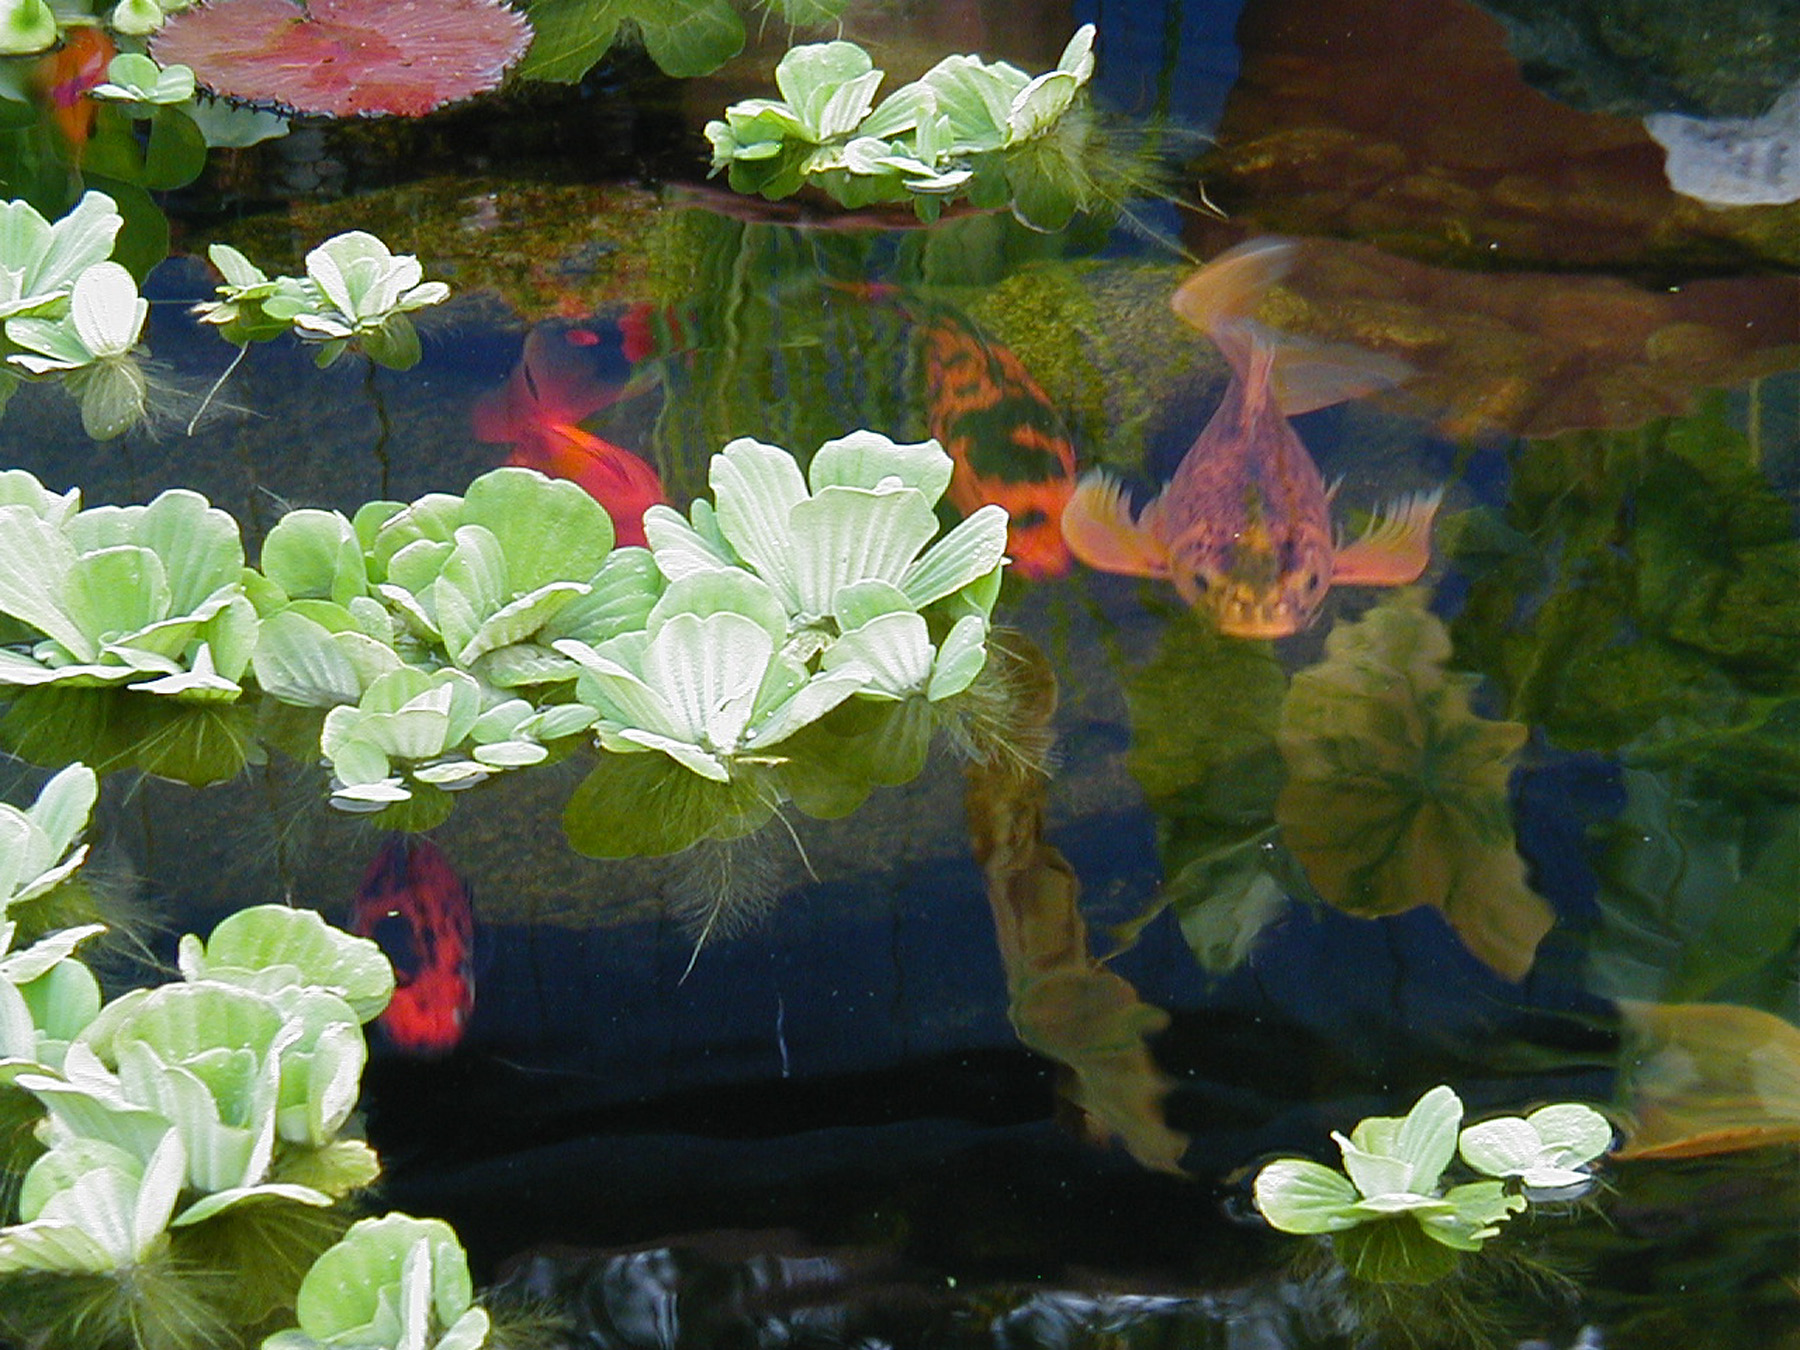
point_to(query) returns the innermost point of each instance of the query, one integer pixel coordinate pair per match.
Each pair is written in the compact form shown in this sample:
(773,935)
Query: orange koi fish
(539,410)
(412,902)
(1005,437)
(1244,526)
(65,76)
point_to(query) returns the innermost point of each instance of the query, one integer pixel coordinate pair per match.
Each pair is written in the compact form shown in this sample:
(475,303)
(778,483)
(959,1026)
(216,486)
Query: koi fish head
(1256,582)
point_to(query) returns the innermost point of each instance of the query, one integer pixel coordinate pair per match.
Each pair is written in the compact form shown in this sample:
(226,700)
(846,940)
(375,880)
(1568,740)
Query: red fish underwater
(413,903)
(539,410)
(1243,528)
(65,76)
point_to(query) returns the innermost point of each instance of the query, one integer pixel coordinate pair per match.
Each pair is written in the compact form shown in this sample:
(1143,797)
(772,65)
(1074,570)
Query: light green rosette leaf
(39,846)
(268,947)
(150,596)
(395,1281)
(1547,1150)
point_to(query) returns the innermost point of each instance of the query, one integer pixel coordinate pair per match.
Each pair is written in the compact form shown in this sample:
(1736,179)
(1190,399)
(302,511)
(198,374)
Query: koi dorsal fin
(1395,548)
(1099,529)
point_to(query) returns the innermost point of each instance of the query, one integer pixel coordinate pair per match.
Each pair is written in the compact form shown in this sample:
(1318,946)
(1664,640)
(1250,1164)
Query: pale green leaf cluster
(147,596)
(140,18)
(355,291)
(26,26)
(435,727)
(1548,1150)
(173,1105)
(414,624)
(39,262)
(47,997)
(788,595)
(40,845)
(1394,1171)
(70,314)
(944,135)
(391,1283)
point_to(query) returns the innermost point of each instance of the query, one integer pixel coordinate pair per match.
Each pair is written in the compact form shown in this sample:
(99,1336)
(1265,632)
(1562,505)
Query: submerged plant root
(159,1305)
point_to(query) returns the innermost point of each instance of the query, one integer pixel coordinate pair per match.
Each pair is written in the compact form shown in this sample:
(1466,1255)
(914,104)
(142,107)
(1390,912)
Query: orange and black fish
(539,412)
(1009,444)
(1243,528)
(65,76)
(414,904)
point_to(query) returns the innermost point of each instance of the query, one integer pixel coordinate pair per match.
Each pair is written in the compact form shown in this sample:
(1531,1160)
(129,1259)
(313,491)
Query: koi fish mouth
(1242,609)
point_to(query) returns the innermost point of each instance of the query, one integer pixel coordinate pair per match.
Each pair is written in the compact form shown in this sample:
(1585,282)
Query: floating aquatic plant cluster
(1390,1213)
(191,1146)
(457,637)
(983,131)
(356,292)
(71,313)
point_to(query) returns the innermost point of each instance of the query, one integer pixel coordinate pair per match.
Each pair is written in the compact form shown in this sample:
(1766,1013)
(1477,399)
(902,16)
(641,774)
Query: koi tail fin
(1395,548)
(1310,375)
(1099,529)
(1226,292)
(1304,376)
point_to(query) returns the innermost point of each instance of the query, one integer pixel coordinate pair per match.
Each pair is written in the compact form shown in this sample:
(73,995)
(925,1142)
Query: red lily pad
(346,57)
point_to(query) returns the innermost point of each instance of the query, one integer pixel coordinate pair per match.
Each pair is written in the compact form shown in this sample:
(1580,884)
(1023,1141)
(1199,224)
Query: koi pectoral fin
(1099,529)
(1396,547)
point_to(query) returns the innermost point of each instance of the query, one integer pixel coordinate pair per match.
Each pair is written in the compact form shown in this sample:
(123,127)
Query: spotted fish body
(1004,436)
(415,905)
(1243,528)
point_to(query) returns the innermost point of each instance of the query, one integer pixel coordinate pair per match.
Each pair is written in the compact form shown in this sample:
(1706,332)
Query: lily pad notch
(347,58)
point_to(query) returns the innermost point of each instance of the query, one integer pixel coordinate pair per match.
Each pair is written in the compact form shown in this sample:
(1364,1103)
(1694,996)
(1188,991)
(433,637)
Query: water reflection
(1532,831)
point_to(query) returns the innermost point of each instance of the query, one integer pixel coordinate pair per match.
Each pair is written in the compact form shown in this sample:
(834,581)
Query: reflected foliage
(1204,712)
(1397,791)
(1642,590)
(1062,1001)
(1697,898)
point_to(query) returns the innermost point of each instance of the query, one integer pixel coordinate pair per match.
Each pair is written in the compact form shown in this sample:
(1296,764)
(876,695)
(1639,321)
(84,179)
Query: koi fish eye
(1031,519)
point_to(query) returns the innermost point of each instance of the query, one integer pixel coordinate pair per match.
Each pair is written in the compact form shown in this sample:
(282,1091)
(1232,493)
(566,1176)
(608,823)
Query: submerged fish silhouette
(1243,528)
(539,410)
(413,903)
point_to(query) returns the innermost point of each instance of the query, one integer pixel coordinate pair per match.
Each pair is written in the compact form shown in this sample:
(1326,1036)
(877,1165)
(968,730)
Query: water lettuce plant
(356,291)
(40,261)
(40,845)
(147,596)
(1389,1211)
(391,1283)
(966,128)
(790,599)
(414,624)
(200,1126)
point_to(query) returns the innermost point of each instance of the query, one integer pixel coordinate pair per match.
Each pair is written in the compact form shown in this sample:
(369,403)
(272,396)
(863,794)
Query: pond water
(993,1058)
